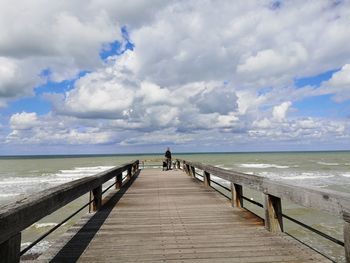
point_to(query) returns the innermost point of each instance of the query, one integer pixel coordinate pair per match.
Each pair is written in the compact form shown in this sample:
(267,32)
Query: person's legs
(168,162)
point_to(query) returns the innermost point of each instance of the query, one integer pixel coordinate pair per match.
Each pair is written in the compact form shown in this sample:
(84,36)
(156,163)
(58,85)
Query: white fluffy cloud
(199,68)
(29,128)
(23,121)
(279,112)
(339,84)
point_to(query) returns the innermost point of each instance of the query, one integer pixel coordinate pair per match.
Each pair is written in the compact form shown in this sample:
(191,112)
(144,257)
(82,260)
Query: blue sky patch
(117,47)
(59,87)
(37,103)
(314,80)
(321,106)
(276,5)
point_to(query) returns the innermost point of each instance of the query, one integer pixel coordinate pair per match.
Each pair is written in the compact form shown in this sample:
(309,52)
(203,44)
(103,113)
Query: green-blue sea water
(20,176)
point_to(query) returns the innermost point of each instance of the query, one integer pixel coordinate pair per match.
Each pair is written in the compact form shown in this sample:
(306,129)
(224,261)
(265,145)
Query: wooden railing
(17,216)
(335,203)
(155,163)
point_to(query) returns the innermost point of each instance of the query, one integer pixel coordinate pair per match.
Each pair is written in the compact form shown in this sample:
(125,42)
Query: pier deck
(171,217)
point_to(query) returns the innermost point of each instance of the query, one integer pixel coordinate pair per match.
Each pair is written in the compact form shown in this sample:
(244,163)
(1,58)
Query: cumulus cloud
(63,37)
(198,68)
(29,128)
(339,84)
(16,78)
(279,112)
(24,120)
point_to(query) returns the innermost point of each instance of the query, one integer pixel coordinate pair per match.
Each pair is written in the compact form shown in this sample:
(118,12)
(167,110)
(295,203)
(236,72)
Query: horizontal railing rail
(155,163)
(332,202)
(17,216)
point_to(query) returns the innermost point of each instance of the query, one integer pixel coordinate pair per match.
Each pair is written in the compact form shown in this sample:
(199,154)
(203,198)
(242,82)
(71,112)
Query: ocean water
(20,176)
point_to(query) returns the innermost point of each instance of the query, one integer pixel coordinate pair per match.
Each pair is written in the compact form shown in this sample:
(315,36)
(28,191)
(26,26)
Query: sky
(112,76)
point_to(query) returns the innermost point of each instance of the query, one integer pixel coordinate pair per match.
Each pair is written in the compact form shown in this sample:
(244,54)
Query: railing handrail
(17,216)
(333,202)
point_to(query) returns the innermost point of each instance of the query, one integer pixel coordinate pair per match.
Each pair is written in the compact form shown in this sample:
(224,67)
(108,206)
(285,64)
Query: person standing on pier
(168,158)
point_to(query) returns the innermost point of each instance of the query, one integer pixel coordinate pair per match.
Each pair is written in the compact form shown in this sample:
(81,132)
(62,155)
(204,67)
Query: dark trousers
(168,163)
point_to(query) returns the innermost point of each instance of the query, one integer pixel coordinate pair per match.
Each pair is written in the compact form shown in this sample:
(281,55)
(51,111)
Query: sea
(24,175)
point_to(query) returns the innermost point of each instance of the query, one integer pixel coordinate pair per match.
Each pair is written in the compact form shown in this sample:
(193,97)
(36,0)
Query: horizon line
(161,153)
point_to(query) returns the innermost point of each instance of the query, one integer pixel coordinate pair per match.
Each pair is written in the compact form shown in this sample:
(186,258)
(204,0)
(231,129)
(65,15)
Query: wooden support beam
(187,169)
(10,249)
(236,195)
(119,181)
(273,213)
(346,217)
(193,172)
(97,195)
(206,177)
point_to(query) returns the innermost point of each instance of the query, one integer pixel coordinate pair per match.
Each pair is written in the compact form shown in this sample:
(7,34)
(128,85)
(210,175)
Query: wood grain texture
(171,217)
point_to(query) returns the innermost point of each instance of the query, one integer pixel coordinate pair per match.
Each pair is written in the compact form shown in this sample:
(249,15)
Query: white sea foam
(330,164)
(262,165)
(346,175)
(304,176)
(38,248)
(9,195)
(43,225)
(296,176)
(14,186)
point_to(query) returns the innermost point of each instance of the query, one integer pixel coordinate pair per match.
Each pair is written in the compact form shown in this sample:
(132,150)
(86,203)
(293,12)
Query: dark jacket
(168,154)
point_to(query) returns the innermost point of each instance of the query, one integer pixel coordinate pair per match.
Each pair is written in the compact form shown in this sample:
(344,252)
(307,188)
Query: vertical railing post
(188,170)
(119,181)
(10,249)
(97,199)
(206,177)
(273,213)
(236,195)
(346,217)
(193,172)
(128,175)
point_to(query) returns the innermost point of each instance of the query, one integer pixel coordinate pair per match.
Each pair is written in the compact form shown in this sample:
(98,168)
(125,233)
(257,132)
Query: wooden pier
(167,216)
